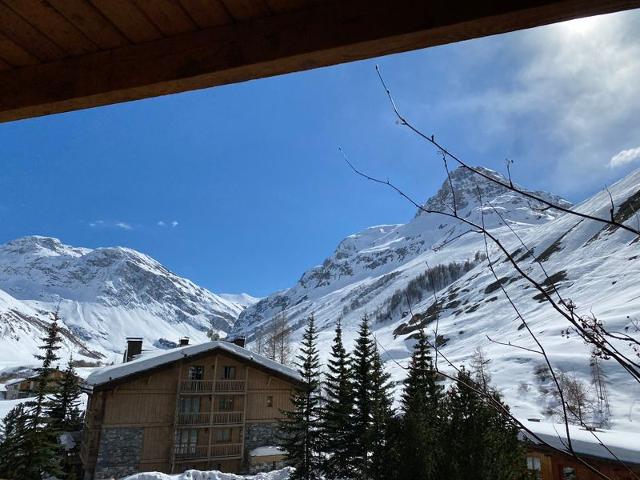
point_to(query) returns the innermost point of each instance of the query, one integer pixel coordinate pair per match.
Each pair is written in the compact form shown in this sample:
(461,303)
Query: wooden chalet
(201,406)
(614,453)
(25,387)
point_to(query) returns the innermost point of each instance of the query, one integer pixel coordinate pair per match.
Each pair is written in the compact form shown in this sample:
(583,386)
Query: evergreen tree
(382,413)
(372,407)
(480,368)
(64,411)
(65,416)
(481,443)
(40,441)
(421,425)
(336,413)
(299,427)
(13,459)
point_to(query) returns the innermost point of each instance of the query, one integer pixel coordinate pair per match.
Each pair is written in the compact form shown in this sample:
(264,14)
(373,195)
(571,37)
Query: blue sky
(242,187)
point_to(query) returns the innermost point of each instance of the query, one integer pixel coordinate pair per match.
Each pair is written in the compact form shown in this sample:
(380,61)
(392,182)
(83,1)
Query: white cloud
(161,223)
(568,98)
(174,224)
(104,224)
(624,157)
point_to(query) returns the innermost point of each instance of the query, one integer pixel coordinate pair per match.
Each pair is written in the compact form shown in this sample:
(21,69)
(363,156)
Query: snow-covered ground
(212,475)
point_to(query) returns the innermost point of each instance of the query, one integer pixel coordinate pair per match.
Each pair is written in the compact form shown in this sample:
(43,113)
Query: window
(186,441)
(190,405)
(196,372)
(269,401)
(569,473)
(226,404)
(229,373)
(223,435)
(534,466)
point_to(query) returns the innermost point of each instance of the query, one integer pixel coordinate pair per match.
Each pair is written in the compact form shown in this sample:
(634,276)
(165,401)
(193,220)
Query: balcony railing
(206,386)
(230,385)
(228,450)
(217,418)
(196,386)
(191,452)
(195,452)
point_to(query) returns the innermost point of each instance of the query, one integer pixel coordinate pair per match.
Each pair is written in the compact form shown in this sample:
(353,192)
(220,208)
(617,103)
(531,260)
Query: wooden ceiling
(62,55)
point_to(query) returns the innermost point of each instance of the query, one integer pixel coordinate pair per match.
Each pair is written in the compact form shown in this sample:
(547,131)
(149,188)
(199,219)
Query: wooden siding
(553,465)
(151,401)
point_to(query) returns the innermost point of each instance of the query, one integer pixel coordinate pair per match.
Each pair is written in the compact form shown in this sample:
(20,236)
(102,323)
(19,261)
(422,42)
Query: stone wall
(119,452)
(258,435)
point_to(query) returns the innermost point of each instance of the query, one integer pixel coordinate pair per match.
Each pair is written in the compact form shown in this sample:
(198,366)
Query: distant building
(209,406)
(25,387)
(619,458)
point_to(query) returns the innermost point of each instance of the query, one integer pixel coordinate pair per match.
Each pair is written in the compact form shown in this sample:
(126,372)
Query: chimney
(134,347)
(239,341)
(184,341)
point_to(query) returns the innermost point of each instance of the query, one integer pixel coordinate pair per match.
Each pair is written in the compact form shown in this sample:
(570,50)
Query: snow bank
(212,475)
(266,451)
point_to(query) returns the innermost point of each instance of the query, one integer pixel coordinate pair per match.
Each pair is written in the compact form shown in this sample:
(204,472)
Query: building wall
(554,465)
(140,414)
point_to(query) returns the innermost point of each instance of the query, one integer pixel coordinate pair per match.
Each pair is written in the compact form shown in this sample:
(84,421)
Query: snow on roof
(266,451)
(624,445)
(14,381)
(158,358)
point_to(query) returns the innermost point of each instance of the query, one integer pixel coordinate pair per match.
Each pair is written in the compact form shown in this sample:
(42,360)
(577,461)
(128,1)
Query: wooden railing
(196,386)
(206,386)
(193,419)
(192,452)
(230,385)
(217,418)
(228,450)
(225,418)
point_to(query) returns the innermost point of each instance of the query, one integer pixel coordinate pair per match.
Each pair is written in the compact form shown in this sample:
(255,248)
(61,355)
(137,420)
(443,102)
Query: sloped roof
(157,359)
(622,444)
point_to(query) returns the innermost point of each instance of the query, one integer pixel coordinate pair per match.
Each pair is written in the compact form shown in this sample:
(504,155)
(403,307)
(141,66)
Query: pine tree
(336,413)
(13,460)
(40,444)
(422,398)
(382,413)
(481,443)
(64,411)
(65,416)
(372,407)
(299,427)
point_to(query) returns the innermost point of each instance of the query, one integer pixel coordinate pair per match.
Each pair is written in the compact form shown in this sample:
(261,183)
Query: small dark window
(569,473)
(229,373)
(196,372)
(269,401)
(226,404)
(189,405)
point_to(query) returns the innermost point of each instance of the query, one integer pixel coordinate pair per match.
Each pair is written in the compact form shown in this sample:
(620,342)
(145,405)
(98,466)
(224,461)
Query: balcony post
(213,399)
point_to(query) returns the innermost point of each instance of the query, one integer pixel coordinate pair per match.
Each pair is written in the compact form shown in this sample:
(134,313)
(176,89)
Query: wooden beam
(326,34)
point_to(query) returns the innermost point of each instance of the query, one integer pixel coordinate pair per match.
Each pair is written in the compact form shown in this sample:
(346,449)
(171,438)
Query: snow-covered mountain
(103,295)
(386,272)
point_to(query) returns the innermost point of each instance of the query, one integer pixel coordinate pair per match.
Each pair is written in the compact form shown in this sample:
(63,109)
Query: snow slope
(103,295)
(373,271)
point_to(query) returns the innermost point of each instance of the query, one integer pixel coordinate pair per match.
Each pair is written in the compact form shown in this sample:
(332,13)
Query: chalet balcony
(203,419)
(207,386)
(199,452)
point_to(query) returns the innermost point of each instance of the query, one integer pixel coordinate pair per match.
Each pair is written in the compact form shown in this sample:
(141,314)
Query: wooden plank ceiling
(62,55)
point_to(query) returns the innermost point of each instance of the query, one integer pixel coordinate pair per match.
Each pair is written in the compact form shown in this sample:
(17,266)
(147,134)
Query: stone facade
(119,452)
(260,435)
